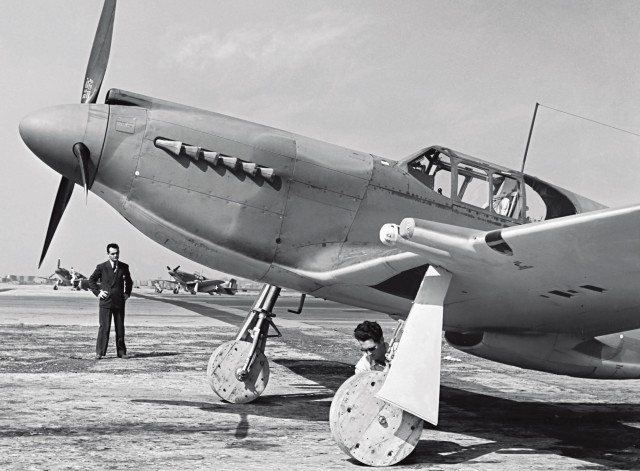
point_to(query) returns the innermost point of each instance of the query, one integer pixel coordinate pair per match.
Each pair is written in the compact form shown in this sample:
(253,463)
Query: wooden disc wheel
(369,429)
(225,361)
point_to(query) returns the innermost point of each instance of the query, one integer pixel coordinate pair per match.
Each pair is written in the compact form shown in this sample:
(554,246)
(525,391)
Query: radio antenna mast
(526,150)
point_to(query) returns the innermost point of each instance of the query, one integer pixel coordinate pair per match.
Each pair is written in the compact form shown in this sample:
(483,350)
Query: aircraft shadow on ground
(152,355)
(277,407)
(312,405)
(205,311)
(590,432)
(328,374)
(582,431)
(307,406)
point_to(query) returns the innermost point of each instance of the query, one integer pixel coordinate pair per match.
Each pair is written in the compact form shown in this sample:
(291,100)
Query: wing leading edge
(576,272)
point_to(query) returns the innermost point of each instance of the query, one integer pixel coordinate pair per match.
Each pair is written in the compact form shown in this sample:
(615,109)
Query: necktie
(115,267)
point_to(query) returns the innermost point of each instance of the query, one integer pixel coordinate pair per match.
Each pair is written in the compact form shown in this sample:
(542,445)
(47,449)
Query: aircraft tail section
(233,286)
(220,287)
(230,287)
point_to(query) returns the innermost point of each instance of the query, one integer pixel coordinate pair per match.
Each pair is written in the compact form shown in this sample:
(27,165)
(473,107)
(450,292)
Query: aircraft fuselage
(313,227)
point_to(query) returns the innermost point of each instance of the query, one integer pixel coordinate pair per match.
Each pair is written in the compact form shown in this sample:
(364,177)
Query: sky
(379,76)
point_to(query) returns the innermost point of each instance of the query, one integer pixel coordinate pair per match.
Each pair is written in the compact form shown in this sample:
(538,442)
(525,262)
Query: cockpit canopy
(490,188)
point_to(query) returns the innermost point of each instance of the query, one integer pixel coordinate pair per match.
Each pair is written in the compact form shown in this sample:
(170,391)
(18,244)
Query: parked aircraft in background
(195,283)
(512,268)
(160,285)
(69,277)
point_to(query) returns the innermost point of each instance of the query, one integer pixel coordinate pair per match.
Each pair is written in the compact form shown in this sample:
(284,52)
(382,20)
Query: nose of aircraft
(51,133)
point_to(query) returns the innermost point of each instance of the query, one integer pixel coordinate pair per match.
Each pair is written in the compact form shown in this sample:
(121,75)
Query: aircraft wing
(551,275)
(166,281)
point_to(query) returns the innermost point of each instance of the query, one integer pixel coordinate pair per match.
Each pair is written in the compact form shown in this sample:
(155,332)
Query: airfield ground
(61,409)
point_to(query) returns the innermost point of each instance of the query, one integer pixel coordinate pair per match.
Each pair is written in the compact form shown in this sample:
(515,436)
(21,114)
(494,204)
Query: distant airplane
(195,282)
(69,277)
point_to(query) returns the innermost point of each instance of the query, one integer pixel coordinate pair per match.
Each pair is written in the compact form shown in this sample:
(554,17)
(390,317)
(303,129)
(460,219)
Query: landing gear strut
(238,370)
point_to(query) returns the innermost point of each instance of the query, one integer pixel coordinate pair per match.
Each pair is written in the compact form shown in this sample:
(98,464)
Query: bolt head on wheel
(241,375)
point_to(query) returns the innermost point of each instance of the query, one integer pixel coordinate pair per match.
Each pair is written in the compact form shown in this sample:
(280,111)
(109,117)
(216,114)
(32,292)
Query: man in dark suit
(113,291)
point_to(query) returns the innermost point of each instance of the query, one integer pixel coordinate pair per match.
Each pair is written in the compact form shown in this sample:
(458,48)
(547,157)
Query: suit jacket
(115,284)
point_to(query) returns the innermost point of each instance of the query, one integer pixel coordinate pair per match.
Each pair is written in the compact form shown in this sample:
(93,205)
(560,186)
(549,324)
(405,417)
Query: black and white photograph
(311,235)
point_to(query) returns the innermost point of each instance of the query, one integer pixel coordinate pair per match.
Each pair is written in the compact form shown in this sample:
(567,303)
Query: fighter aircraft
(195,282)
(510,267)
(69,277)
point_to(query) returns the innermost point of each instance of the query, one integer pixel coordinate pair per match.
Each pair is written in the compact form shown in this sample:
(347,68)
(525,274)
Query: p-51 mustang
(69,277)
(512,268)
(196,283)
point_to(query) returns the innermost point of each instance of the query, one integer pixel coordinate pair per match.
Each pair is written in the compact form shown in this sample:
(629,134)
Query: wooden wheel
(369,429)
(221,372)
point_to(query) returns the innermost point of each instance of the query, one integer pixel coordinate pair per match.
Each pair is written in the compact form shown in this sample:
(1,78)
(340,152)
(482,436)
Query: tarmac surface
(62,409)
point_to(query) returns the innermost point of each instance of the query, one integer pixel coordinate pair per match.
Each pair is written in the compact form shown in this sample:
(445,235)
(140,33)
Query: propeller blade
(62,199)
(99,54)
(82,154)
(168,268)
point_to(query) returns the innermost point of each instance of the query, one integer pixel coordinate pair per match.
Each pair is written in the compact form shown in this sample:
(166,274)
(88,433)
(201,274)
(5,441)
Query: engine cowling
(614,356)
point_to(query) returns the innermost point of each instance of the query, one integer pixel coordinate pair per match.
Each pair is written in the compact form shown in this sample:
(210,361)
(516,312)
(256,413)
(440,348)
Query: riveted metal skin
(325,192)
(120,155)
(172,195)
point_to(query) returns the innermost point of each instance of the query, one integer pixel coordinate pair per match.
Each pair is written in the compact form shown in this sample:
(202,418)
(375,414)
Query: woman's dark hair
(368,331)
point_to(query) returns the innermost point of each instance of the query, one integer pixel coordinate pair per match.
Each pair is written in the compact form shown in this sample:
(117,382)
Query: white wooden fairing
(413,381)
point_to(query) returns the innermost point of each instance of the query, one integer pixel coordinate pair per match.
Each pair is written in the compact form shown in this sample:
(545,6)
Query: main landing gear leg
(238,371)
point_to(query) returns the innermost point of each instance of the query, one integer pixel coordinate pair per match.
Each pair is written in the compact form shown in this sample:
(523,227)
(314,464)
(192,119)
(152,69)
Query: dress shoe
(98,357)
(123,356)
